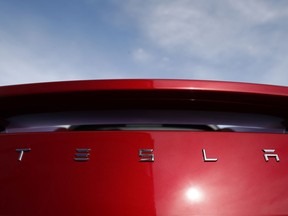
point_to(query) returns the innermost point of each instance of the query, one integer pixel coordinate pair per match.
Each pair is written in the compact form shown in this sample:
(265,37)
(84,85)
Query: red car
(143,147)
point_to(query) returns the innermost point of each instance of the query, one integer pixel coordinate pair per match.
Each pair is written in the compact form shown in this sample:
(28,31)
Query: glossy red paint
(86,86)
(113,182)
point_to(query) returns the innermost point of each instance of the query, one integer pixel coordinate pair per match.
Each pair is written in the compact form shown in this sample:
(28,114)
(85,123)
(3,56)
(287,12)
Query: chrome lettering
(22,152)
(145,155)
(82,155)
(266,156)
(208,159)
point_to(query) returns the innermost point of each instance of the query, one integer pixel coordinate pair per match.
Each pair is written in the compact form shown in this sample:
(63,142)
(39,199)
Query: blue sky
(230,40)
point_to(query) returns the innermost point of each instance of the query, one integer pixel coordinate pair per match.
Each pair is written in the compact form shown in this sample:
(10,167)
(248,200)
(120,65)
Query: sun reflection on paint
(194,194)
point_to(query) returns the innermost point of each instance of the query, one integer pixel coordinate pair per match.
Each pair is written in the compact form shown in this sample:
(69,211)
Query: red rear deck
(241,173)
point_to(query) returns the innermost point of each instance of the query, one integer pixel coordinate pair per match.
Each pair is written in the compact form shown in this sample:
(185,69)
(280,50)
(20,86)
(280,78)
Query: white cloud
(141,55)
(228,39)
(260,11)
(207,28)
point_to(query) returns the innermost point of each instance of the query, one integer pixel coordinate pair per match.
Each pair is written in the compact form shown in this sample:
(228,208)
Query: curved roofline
(141,84)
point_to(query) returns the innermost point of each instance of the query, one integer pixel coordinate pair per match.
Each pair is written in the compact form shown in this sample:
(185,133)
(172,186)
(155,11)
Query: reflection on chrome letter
(82,154)
(22,152)
(266,156)
(208,159)
(145,156)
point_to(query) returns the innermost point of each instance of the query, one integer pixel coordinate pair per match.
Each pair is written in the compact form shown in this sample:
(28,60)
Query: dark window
(188,120)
